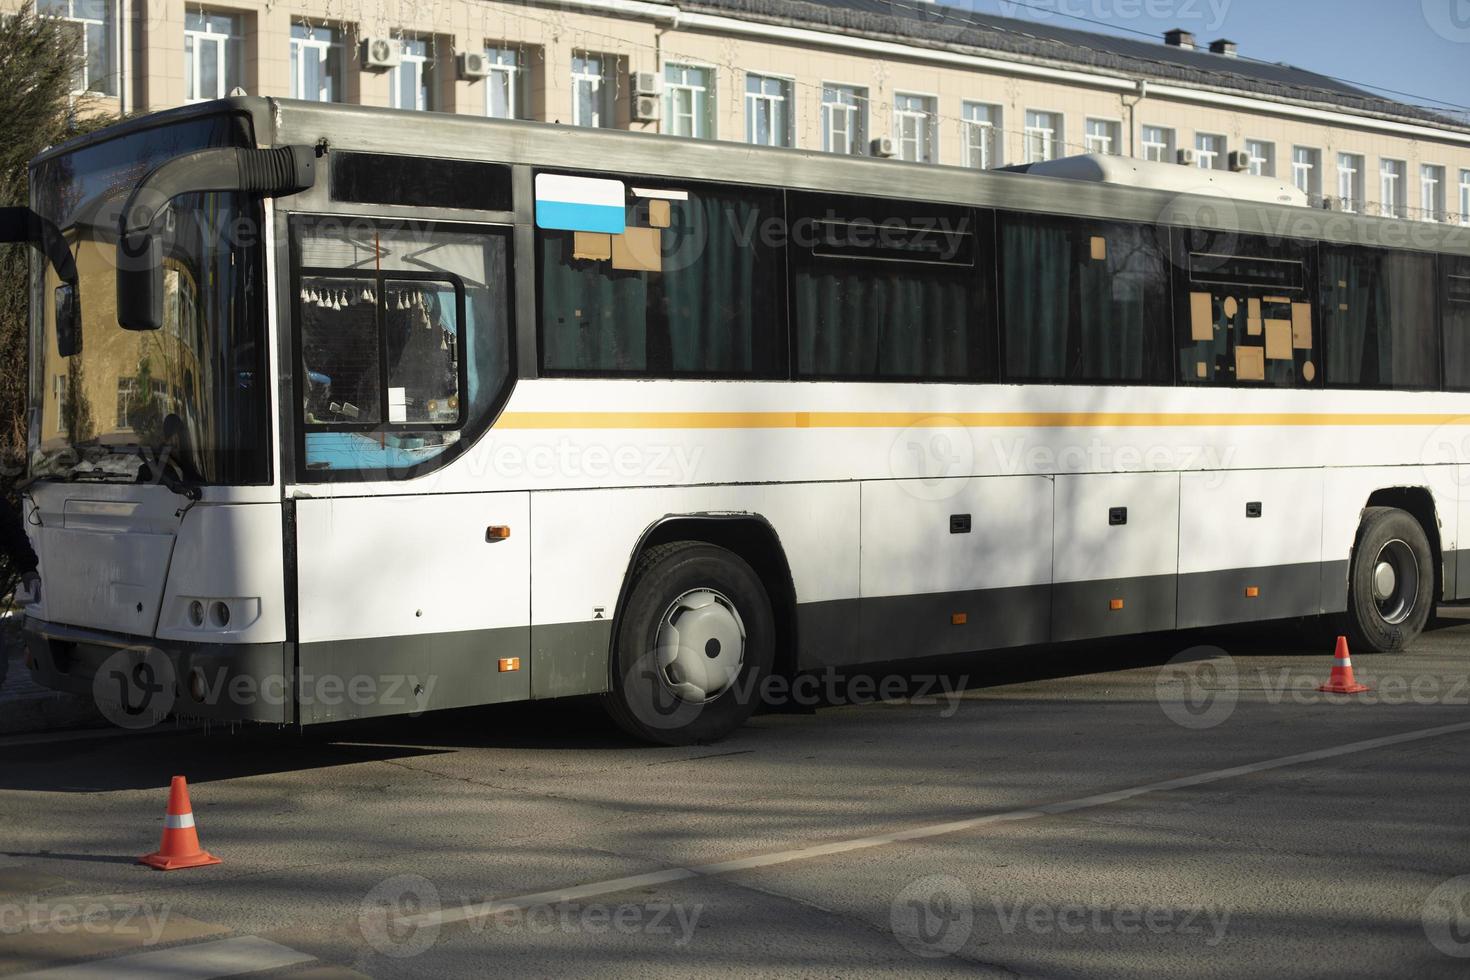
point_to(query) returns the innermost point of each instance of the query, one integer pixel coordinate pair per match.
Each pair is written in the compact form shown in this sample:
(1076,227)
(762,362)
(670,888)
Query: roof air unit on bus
(1107,169)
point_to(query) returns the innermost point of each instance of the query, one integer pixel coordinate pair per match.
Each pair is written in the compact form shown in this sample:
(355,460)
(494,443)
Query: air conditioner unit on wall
(646,107)
(1187,157)
(1239,161)
(381,53)
(882,146)
(473,64)
(647,83)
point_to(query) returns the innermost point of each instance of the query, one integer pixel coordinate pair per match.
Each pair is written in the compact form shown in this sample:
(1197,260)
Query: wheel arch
(754,539)
(1418,503)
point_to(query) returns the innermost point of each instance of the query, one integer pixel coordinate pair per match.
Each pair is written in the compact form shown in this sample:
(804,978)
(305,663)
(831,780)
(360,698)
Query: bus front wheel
(1391,582)
(695,644)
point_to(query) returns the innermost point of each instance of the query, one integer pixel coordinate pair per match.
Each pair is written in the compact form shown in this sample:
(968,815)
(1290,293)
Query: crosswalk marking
(201,961)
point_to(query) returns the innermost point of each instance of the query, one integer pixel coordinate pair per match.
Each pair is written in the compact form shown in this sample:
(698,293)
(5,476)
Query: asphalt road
(1133,809)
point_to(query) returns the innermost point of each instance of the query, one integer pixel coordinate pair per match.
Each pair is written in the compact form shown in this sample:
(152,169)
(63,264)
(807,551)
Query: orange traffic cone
(180,845)
(1341,681)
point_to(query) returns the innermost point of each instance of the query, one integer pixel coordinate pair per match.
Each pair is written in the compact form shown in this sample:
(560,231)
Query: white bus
(349,412)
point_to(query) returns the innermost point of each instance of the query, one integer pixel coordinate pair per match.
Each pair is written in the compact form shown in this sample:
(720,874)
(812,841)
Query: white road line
(201,961)
(473,910)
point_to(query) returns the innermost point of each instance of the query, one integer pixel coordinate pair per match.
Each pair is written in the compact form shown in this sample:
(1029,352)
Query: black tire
(641,700)
(1376,624)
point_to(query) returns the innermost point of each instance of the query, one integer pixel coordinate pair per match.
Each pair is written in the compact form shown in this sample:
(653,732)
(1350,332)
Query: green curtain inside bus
(714,307)
(1082,301)
(1455,304)
(1379,316)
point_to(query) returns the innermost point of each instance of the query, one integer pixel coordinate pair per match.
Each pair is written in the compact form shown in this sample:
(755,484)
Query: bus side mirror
(68,320)
(24,226)
(269,173)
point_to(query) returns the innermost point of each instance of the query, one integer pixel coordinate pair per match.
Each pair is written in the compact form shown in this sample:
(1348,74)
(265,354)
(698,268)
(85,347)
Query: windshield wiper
(187,489)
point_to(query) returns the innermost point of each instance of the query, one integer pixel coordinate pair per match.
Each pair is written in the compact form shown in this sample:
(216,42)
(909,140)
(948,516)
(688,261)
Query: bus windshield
(185,402)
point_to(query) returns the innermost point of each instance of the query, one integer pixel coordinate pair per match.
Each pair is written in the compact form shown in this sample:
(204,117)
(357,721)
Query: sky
(1419,47)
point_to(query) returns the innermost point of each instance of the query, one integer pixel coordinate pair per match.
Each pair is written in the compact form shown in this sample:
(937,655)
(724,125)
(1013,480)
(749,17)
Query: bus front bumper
(138,681)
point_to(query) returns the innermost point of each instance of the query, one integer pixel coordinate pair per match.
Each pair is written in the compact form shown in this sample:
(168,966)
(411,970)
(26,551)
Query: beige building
(915,80)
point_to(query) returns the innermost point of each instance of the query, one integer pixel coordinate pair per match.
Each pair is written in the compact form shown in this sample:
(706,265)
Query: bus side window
(893,290)
(692,287)
(403,335)
(1083,300)
(1244,311)
(1455,313)
(1378,314)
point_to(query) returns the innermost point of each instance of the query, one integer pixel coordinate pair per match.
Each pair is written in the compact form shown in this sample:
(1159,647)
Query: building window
(1431,192)
(1465,197)
(1350,182)
(1393,200)
(1306,171)
(689,101)
(316,63)
(914,129)
(591,104)
(214,55)
(982,129)
(1158,144)
(1104,136)
(1043,136)
(1262,157)
(844,119)
(97,42)
(768,111)
(413,79)
(1209,151)
(505,84)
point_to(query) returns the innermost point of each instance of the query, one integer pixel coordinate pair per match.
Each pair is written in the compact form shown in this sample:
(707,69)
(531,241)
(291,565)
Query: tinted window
(891,289)
(693,286)
(403,344)
(1379,317)
(1243,312)
(1083,300)
(1455,307)
(378,178)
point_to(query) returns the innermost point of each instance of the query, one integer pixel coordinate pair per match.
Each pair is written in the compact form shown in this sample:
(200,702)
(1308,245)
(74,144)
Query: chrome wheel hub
(700,645)
(1395,582)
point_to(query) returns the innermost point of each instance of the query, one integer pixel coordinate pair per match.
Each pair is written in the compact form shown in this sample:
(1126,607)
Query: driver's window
(402,343)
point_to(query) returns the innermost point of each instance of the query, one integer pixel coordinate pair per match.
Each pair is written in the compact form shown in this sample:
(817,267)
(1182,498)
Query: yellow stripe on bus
(940,420)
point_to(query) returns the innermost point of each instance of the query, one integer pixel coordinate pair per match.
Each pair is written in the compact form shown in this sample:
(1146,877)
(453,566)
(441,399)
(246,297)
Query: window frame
(1052,140)
(1311,167)
(322,51)
(1352,202)
(1262,157)
(470,428)
(1169,151)
(855,115)
(702,100)
(925,121)
(1114,135)
(1321,317)
(1219,159)
(787,97)
(228,47)
(1465,196)
(421,65)
(601,95)
(514,73)
(1433,193)
(990,131)
(83,81)
(1393,203)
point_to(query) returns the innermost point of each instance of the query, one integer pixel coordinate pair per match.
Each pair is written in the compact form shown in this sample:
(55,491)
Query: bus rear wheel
(695,644)
(1391,582)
